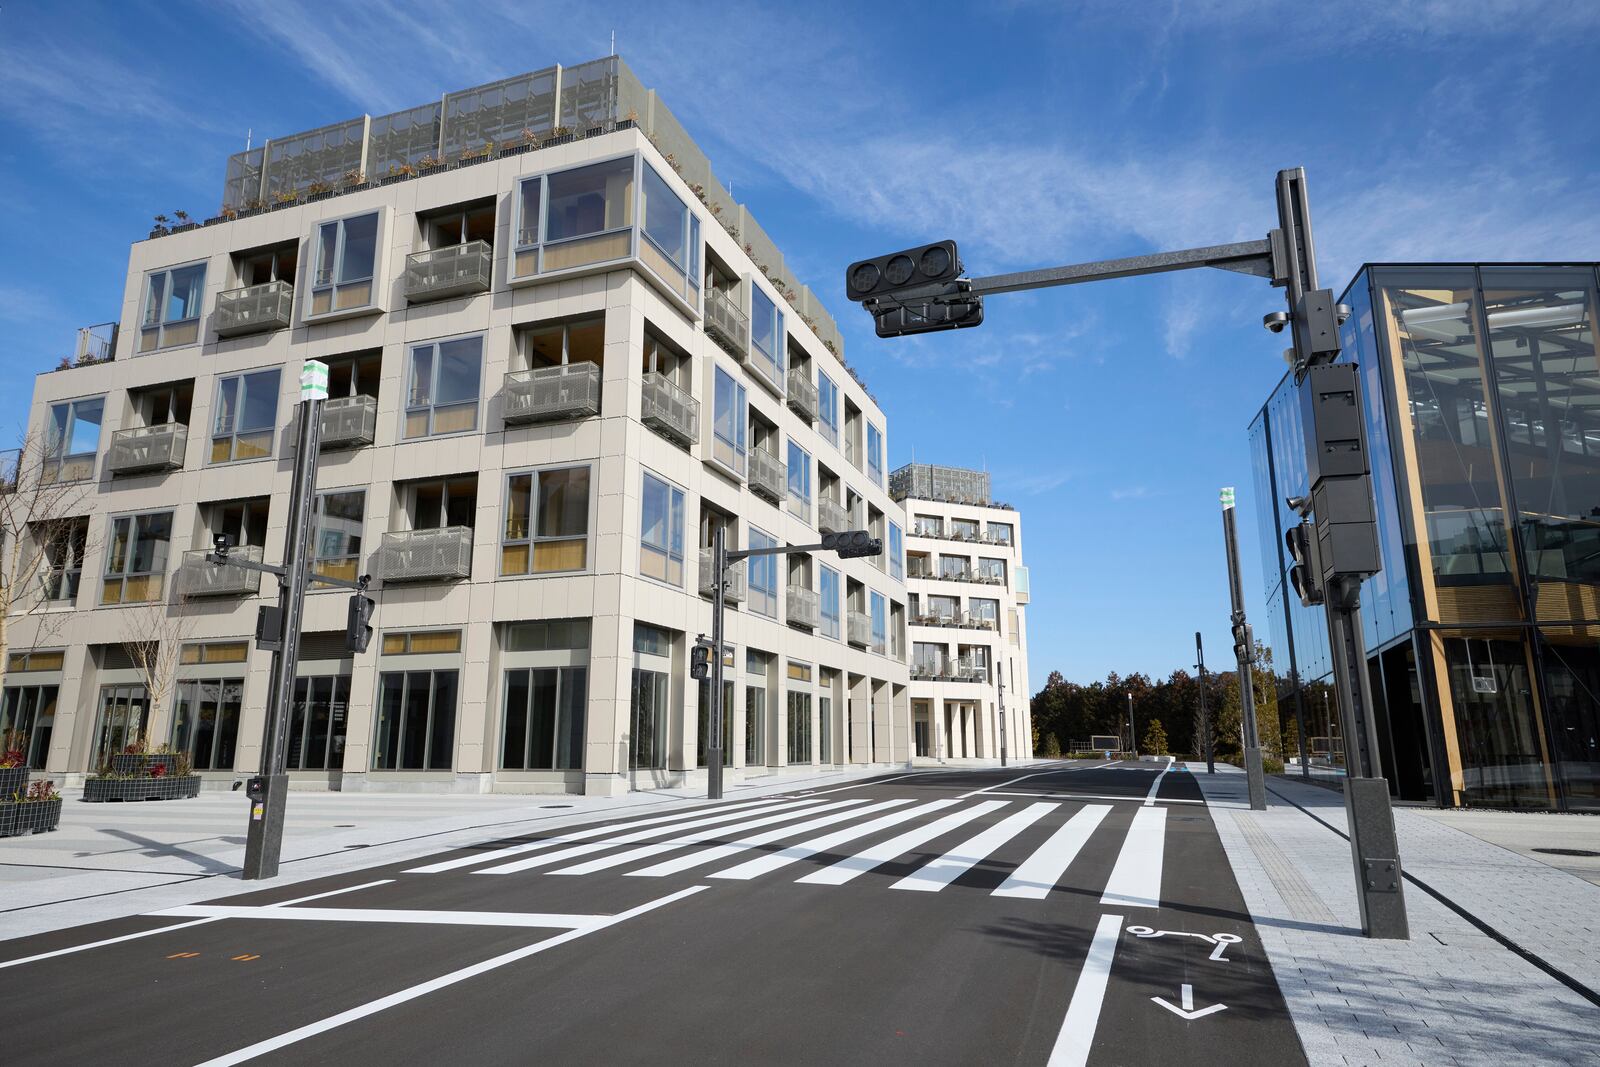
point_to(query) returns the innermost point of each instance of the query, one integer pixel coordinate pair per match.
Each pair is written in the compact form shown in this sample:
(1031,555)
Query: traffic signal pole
(1207,749)
(1244,650)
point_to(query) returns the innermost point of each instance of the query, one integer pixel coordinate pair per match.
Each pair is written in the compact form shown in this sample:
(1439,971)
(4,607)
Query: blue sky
(1032,133)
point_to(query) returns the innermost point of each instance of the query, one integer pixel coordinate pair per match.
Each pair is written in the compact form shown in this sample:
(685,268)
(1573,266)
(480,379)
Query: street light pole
(1001,680)
(1133,739)
(1206,749)
(719,567)
(1244,650)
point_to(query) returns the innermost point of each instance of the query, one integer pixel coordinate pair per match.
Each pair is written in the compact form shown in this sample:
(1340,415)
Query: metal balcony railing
(148,448)
(804,607)
(736,589)
(196,577)
(727,325)
(859,628)
(768,477)
(831,516)
(349,421)
(669,410)
(547,394)
(96,344)
(255,309)
(426,555)
(802,394)
(453,271)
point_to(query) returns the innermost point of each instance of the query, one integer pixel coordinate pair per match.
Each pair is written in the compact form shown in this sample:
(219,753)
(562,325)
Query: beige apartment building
(968,617)
(561,356)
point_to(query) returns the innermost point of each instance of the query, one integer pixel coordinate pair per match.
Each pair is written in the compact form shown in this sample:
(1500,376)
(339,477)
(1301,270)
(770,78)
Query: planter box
(13,780)
(167,787)
(141,762)
(29,817)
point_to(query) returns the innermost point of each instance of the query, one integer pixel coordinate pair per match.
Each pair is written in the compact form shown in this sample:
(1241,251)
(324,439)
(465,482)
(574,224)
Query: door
(648,733)
(317,726)
(123,711)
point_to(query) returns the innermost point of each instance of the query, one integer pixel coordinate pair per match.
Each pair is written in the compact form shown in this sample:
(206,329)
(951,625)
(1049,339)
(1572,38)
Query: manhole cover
(555,805)
(1567,851)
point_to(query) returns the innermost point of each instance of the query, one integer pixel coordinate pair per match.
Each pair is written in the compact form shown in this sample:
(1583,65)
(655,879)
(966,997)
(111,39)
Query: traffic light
(1305,571)
(918,290)
(700,659)
(852,543)
(358,630)
(915,268)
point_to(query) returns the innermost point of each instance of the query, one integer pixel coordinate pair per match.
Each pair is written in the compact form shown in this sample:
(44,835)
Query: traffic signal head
(700,659)
(358,628)
(914,268)
(852,543)
(1305,570)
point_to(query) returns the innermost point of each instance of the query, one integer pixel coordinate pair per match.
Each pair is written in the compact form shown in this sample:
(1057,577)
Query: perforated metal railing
(545,394)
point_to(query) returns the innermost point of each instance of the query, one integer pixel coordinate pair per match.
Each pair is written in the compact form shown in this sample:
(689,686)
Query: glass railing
(859,628)
(831,516)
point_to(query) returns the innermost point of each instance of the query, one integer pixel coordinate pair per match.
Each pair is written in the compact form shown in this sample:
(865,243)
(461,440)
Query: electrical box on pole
(1338,473)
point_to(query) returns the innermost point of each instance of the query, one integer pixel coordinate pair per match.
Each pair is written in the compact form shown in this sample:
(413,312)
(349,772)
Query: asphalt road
(1076,913)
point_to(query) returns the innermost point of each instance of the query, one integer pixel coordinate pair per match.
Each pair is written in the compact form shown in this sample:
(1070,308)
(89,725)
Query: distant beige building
(969,624)
(561,357)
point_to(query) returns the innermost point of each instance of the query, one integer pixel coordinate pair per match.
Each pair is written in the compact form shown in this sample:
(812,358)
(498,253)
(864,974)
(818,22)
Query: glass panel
(1500,753)
(360,248)
(327,251)
(85,434)
(260,407)
(459,363)
(765,326)
(665,218)
(655,503)
(155,299)
(514,747)
(574,701)
(755,726)
(188,286)
(1572,680)
(799,472)
(419,390)
(590,200)
(564,502)
(414,721)
(386,737)
(528,213)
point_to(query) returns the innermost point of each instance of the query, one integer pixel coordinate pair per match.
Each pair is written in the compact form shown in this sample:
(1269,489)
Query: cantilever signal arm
(1248,257)
(359,585)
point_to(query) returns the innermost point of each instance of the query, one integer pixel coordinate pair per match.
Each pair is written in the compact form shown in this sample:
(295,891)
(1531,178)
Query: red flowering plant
(158,770)
(42,790)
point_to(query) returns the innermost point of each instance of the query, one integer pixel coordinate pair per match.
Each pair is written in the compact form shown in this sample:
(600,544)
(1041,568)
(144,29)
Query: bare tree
(43,538)
(153,636)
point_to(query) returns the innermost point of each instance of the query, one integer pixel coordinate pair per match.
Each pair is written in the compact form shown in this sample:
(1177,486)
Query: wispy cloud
(1131,492)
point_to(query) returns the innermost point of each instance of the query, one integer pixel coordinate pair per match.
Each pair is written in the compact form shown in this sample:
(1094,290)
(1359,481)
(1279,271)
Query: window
(547,522)
(874,454)
(421,642)
(318,722)
(347,256)
(64,548)
(984,612)
(172,301)
(729,423)
(880,624)
(766,329)
(992,570)
(544,718)
(30,710)
(1000,533)
(72,440)
(661,531)
(927,526)
(763,576)
(671,245)
(442,387)
(955,568)
(443,503)
(416,721)
(799,747)
(943,608)
(243,522)
(136,558)
(799,481)
(246,416)
(588,214)
(205,721)
(828,594)
(828,408)
(964,529)
(336,533)
(651,698)
(897,553)
(927,658)
(755,709)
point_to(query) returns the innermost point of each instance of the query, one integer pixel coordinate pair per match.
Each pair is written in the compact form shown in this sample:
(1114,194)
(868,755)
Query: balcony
(804,607)
(255,309)
(670,411)
(859,628)
(549,394)
(831,516)
(736,590)
(426,555)
(768,477)
(802,394)
(196,577)
(349,421)
(445,272)
(96,344)
(148,449)
(727,325)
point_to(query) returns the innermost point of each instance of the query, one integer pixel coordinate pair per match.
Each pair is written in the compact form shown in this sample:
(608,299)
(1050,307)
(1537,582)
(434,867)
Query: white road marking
(772,814)
(1040,871)
(272,1044)
(719,852)
(181,926)
(700,837)
(934,876)
(1083,1011)
(1150,798)
(1187,1011)
(581,835)
(541,920)
(863,785)
(879,854)
(1091,796)
(769,863)
(1002,785)
(1136,879)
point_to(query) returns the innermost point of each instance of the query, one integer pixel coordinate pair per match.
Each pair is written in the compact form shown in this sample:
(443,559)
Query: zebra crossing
(1036,841)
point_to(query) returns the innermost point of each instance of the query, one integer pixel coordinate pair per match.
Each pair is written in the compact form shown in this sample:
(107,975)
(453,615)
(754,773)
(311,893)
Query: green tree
(1155,738)
(1052,747)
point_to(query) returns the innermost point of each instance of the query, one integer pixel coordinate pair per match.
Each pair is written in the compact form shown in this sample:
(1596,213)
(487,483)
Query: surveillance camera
(1342,313)
(1275,321)
(222,542)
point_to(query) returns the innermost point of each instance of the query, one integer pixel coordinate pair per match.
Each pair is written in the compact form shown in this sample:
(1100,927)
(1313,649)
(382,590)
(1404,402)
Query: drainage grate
(1567,851)
(555,805)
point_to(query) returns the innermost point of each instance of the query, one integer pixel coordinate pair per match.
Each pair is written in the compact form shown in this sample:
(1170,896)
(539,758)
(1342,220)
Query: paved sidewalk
(113,860)
(1450,995)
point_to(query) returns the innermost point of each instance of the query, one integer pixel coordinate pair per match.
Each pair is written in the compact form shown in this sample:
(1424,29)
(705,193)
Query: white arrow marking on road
(1188,1010)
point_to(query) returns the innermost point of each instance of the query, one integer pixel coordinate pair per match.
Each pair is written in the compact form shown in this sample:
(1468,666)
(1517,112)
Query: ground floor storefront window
(124,710)
(317,728)
(544,718)
(27,716)
(205,721)
(416,721)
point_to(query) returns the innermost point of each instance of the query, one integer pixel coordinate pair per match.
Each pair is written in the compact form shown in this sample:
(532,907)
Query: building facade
(1482,390)
(968,591)
(561,357)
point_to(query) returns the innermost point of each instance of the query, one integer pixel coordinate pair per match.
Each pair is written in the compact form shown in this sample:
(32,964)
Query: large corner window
(72,440)
(671,245)
(136,558)
(766,329)
(336,534)
(588,215)
(799,481)
(880,624)
(246,416)
(347,258)
(763,576)
(828,594)
(172,301)
(547,522)
(897,554)
(442,387)
(729,424)
(875,454)
(828,409)
(661,531)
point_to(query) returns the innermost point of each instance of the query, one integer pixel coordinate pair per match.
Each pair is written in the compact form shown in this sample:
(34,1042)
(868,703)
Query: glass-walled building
(1482,390)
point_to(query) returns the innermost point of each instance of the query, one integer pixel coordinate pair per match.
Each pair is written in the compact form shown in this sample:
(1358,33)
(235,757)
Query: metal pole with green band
(1244,649)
